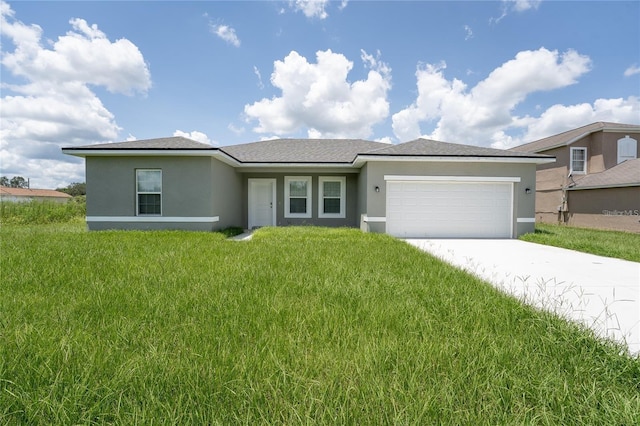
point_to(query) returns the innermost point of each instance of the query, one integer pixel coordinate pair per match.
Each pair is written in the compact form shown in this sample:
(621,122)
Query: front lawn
(298,325)
(622,245)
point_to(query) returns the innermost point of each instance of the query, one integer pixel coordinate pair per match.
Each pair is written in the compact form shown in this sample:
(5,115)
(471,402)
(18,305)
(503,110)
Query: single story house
(421,188)
(23,195)
(595,181)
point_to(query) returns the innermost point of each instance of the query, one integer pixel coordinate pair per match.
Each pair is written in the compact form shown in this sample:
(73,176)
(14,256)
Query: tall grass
(42,212)
(622,245)
(298,325)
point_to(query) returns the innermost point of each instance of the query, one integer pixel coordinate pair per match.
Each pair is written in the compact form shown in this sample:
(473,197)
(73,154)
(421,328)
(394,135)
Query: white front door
(262,199)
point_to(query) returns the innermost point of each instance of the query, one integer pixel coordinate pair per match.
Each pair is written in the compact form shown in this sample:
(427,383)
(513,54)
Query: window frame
(576,149)
(343,196)
(287,197)
(138,193)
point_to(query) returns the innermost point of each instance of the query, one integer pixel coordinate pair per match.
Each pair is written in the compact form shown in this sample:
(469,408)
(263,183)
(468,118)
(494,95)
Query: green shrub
(42,212)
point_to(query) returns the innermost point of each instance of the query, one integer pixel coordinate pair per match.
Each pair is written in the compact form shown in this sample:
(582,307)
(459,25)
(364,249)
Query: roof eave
(361,159)
(123,152)
(614,185)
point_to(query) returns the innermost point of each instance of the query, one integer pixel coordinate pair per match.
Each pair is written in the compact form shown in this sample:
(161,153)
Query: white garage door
(418,209)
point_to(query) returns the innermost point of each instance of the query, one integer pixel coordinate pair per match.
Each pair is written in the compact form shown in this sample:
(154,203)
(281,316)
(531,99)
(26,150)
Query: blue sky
(483,73)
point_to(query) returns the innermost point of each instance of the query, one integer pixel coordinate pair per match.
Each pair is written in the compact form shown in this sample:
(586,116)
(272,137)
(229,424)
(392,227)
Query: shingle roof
(301,150)
(307,151)
(431,148)
(26,192)
(626,173)
(174,142)
(571,135)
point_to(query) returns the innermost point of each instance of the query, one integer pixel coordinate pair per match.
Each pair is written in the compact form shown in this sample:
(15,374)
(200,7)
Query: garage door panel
(450,209)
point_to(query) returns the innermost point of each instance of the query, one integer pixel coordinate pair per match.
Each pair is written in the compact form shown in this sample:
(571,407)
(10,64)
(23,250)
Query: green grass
(622,245)
(298,325)
(43,212)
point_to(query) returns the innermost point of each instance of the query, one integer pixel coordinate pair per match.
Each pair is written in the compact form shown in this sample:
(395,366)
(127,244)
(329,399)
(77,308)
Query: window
(149,192)
(331,197)
(579,160)
(297,196)
(627,149)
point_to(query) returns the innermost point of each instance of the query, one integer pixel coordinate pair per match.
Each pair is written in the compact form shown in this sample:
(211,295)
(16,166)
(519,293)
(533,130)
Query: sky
(486,73)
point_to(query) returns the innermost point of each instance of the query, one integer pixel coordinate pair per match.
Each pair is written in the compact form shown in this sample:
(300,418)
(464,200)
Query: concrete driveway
(601,292)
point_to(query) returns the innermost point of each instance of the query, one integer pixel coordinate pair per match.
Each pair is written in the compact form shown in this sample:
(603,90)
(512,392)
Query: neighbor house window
(149,192)
(627,149)
(297,196)
(331,197)
(579,160)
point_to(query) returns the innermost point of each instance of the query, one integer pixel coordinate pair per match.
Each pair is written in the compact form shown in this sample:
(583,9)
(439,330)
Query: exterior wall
(524,204)
(352,212)
(606,208)
(551,201)
(189,186)
(226,195)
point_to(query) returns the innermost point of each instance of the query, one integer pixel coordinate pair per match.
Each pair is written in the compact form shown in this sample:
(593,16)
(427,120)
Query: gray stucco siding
(186,191)
(351,218)
(524,204)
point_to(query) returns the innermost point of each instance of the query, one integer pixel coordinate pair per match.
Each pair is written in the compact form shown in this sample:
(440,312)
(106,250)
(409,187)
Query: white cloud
(320,98)
(632,70)
(226,33)
(312,8)
(55,106)
(236,130)
(256,71)
(559,118)
(481,115)
(516,5)
(196,136)
(468,31)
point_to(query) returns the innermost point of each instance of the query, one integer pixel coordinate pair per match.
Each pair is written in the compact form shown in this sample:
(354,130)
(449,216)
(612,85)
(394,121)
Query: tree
(18,182)
(14,182)
(74,189)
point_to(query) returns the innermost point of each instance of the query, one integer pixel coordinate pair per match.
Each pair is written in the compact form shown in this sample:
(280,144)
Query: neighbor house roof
(26,192)
(626,173)
(570,136)
(282,152)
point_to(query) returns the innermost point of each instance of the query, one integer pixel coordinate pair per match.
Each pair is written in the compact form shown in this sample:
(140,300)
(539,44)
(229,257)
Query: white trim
(250,218)
(138,192)
(141,152)
(371,219)
(185,219)
(361,159)
(586,158)
(307,214)
(343,196)
(483,179)
(526,220)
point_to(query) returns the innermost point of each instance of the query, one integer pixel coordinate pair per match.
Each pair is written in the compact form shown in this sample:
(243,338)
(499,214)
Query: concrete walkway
(601,292)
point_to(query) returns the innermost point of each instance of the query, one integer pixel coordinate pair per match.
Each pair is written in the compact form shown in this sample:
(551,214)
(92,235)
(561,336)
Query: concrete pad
(600,292)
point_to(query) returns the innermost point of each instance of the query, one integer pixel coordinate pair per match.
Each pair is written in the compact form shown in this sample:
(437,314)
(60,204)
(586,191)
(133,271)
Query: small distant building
(23,195)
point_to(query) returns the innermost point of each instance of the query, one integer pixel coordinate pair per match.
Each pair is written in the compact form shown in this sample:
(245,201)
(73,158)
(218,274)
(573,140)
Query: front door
(262,197)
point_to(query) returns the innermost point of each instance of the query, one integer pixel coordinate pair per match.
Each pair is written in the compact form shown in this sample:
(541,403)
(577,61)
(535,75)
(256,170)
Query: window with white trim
(627,149)
(331,196)
(579,160)
(148,192)
(297,196)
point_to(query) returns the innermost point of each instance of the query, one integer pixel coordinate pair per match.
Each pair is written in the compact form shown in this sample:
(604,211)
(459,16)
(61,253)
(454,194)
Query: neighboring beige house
(595,181)
(18,195)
